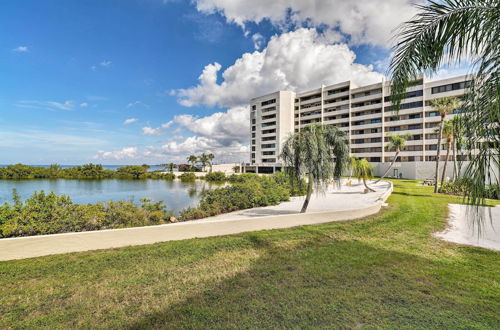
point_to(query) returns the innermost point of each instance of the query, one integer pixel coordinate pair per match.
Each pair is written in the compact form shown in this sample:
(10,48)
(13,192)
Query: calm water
(175,194)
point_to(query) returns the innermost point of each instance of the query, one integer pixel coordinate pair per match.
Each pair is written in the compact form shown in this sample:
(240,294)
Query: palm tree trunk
(455,173)
(390,166)
(445,163)
(309,193)
(436,176)
(366,186)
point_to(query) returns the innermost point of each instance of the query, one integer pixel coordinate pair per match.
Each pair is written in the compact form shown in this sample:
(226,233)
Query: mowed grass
(383,271)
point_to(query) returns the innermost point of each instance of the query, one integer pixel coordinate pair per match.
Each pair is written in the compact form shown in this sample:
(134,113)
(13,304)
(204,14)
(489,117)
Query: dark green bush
(187,176)
(133,171)
(161,175)
(49,214)
(461,187)
(215,176)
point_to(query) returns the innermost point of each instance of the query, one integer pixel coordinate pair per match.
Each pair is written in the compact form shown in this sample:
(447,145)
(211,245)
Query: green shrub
(161,175)
(133,171)
(49,214)
(493,191)
(296,188)
(461,187)
(252,191)
(187,176)
(215,176)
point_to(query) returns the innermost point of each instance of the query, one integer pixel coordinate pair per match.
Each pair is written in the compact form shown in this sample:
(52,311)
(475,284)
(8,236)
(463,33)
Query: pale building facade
(364,113)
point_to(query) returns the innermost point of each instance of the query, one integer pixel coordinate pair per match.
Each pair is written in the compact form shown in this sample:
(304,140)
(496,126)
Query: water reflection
(176,194)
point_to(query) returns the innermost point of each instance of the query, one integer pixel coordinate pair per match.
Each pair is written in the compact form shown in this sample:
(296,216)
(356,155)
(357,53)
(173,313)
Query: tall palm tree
(203,159)
(457,143)
(397,142)
(318,152)
(448,134)
(444,105)
(192,159)
(210,160)
(363,170)
(446,33)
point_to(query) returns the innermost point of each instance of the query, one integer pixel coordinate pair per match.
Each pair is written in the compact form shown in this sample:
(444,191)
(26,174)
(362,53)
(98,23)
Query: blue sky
(117,82)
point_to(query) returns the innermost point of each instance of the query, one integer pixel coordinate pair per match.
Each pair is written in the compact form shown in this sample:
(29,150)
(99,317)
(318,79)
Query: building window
(451,87)
(254,107)
(268,145)
(268,102)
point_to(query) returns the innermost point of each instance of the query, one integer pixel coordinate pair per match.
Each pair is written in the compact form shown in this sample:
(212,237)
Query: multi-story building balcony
(367,107)
(371,97)
(367,116)
(366,135)
(335,102)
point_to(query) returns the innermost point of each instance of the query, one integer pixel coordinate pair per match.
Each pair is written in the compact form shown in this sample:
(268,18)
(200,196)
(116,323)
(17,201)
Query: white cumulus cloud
(368,22)
(105,63)
(298,60)
(155,131)
(20,49)
(258,41)
(124,153)
(130,121)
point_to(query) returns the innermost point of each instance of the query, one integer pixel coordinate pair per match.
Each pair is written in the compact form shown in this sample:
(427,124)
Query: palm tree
(210,160)
(446,33)
(397,142)
(448,134)
(444,106)
(457,143)
(203,159)
(170,167)
(363,170)
(318,152)
(192,159)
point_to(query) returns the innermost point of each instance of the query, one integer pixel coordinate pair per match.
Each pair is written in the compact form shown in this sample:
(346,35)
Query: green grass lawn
(384,271)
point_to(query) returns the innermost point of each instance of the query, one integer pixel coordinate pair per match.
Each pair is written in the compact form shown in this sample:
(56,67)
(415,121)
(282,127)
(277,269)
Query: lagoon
(175,194)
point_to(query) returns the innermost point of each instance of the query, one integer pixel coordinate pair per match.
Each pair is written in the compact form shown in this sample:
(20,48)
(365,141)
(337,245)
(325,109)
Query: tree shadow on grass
(328,282)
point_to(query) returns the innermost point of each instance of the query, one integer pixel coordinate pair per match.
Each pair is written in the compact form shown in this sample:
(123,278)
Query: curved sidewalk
(284,215)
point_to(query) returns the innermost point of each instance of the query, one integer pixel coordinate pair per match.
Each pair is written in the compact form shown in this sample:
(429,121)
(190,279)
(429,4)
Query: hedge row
(50,214)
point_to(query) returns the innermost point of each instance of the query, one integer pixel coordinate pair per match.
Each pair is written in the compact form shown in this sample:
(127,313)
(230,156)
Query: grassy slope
(385,271)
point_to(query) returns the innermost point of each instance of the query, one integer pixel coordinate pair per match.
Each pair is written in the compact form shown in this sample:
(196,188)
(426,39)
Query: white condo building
(364,113)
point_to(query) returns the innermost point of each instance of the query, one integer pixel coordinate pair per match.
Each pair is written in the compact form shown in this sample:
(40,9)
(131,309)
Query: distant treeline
(87,171)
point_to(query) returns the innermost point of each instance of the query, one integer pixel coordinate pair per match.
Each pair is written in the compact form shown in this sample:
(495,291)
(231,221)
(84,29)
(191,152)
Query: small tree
(444,106)
(210,160)
(318,152)
(203,159)
(397,142)
(363,170)
(171,167)
(192,159)
(448,134)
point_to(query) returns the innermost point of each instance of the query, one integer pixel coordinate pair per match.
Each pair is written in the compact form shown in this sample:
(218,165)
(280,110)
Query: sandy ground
(465,228)
(335,198)
(335,205)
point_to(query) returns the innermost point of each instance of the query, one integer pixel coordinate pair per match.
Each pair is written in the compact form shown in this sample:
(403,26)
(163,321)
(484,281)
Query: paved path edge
(43,245)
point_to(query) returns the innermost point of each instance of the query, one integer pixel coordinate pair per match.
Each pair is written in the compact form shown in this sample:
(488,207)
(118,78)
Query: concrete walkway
(464,228)
(346,204)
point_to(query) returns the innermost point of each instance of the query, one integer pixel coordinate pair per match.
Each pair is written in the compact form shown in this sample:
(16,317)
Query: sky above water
(153,81)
